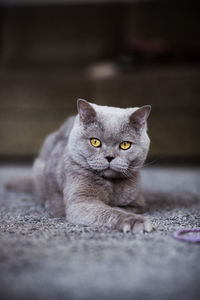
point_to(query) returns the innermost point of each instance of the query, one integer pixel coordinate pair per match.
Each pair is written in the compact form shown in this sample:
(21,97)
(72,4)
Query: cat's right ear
(86,111)
(140,116)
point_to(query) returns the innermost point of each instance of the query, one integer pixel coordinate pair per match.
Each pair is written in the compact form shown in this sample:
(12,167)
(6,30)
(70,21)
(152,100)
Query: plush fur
(76,180)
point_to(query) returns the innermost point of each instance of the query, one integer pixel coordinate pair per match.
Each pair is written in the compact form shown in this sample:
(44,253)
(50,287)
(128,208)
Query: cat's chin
(110,174)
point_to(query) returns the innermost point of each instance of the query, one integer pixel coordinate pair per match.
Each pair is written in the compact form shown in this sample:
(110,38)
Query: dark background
(119,53)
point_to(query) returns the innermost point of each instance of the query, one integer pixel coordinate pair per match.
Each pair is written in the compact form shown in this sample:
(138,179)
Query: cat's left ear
(140,116)
(86,111)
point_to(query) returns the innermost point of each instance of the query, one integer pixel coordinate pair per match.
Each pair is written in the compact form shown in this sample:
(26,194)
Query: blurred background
(119,53)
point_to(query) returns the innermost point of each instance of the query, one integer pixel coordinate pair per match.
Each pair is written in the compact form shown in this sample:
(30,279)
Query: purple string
(179,235)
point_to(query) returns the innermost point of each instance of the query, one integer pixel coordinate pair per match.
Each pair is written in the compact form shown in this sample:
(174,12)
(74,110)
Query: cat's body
(86,183)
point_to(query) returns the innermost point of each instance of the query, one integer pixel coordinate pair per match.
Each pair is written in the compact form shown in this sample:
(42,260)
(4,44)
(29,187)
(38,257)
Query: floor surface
(48,258)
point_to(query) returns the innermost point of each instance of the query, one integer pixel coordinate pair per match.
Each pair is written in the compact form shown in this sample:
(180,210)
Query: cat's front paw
(136,225)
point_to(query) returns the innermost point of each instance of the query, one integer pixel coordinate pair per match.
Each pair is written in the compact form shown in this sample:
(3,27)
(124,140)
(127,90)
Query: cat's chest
(121,193)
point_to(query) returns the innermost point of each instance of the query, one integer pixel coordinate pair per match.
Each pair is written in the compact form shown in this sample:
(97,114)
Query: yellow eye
(95,142)
(125,145)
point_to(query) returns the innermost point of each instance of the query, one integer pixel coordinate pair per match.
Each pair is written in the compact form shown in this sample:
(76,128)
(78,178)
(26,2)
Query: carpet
(48,258)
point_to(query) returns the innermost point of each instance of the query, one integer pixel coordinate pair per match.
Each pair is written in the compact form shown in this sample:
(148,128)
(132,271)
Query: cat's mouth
(110,173)
(109,170)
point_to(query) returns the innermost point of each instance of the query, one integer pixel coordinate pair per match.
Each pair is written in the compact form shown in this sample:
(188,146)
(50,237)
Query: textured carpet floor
(48,258)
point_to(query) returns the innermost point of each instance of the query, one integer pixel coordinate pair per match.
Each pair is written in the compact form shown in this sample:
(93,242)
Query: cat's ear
(86,111)
(140,116)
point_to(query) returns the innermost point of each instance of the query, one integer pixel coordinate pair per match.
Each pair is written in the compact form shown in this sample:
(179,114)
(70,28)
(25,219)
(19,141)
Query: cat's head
(110,141)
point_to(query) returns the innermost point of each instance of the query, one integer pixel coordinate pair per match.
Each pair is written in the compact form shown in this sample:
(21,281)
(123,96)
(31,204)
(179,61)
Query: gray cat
(88,170)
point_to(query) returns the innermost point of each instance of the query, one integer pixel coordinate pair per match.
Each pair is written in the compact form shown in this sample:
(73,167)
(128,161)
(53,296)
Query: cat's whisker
(136,167)
(151,162)
(125,173)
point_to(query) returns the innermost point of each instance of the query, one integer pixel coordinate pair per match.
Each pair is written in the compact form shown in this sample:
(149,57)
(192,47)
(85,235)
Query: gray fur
(74,179)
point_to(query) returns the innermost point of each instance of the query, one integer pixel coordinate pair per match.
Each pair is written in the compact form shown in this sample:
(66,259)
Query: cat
(88,171)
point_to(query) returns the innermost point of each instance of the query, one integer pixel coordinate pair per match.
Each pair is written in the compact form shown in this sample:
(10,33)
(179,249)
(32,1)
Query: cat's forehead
(113,111)
(112,121)
(113,117)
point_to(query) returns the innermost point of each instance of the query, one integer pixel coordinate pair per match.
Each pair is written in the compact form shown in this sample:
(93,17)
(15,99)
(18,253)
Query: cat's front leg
(92,212)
